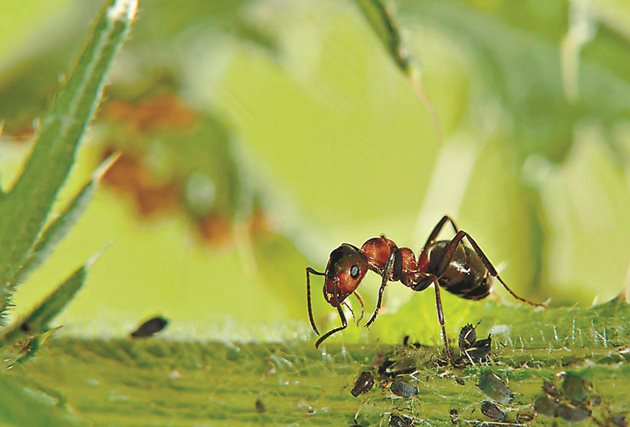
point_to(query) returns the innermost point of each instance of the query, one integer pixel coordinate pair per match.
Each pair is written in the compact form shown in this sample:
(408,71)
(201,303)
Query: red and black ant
(463,271)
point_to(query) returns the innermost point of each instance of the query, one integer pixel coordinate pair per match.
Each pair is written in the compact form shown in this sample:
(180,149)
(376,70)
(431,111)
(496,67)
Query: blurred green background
(256,136)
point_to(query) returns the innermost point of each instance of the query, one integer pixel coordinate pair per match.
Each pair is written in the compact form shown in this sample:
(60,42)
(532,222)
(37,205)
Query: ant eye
(354,271)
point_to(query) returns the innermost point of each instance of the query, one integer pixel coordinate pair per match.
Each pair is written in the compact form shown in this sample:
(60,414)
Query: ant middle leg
(450,252)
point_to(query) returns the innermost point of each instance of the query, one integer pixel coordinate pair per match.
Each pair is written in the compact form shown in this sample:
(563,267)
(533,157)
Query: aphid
(494,388)
(393,368)
(611,420)
(572,413)
(550,389)
(260,406)
(574,387)
(467,337)
(363,384)
(492,411)
(546,406)
(524,417)
(454,416)
(400,421)
(479,351)
(150,327)
(619,420)
(403,388)
(448,264)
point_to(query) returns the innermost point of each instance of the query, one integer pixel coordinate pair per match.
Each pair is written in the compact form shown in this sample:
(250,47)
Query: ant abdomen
(465,275)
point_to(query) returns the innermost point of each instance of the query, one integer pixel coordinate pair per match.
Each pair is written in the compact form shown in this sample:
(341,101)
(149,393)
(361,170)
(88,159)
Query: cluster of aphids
(393,373)
(572,401)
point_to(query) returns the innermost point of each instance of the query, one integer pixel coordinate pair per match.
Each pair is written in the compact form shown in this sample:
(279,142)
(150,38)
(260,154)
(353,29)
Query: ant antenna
(308,296)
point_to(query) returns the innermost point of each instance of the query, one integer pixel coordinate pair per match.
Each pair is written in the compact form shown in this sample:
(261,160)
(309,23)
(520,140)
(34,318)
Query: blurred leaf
(24,211)
(180,160)
(162,19)
(22,406)
(381,16)
(279,263)
(522,67)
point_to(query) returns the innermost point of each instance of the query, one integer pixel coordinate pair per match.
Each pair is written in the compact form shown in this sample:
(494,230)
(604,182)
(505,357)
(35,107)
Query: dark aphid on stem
(467,337)
(403,389)
(363,384)
(454,416)
(446,264)
(573,413)
(479,351)
(150,327)
(546,405)
(492,411)
(400,421)
(392,368)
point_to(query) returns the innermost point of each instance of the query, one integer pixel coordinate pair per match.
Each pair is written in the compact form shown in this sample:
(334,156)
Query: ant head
(344,272)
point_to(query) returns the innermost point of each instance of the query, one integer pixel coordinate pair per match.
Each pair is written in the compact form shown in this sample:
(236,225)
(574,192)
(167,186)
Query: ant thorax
(377,252)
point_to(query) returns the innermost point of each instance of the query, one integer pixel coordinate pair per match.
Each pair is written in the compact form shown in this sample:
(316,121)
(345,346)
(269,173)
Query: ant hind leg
(449,252)
(438,227)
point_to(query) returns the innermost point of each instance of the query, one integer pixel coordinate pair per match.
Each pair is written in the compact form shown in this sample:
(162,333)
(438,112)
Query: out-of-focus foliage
(258,134)
(27,230)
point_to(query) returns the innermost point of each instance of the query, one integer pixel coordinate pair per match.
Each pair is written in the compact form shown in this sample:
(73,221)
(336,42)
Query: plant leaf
(38,321)
(58,228)
(24,211)
(122,381)
(22,406)
(381,16)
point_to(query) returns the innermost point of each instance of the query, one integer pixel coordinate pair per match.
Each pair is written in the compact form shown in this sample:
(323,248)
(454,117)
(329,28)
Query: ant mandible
(449,264)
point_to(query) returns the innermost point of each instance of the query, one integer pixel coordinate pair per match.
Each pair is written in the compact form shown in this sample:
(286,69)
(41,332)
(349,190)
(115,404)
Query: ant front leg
(344,324)
(385,277)
(308,295)
(450,252)
(360,299)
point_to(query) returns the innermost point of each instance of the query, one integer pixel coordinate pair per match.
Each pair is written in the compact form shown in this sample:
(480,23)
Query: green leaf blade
(38,321)
(60,226)
(24,211)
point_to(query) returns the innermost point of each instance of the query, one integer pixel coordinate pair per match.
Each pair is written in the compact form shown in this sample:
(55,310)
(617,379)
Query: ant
(449,264)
